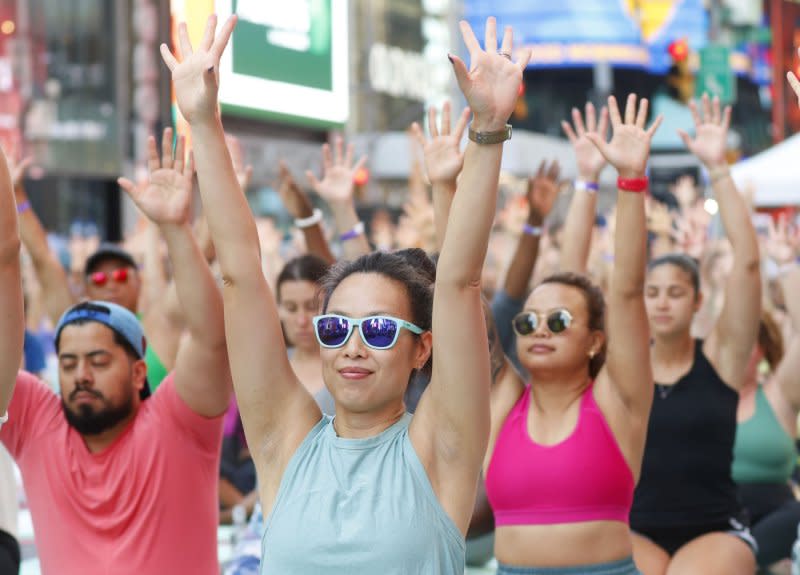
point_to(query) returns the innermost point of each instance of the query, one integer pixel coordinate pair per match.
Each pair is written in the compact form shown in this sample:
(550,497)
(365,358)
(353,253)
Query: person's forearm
(524,260)
(12,318)
(200,299)
(578,227)
(790,285)
(346,218)
(56,294)
(736,219)
(442,194)
(155,278)
(465,243)
(630,246)
(237,246)
(317,244)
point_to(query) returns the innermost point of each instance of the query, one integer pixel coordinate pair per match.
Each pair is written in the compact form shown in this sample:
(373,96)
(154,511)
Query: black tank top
(686,472)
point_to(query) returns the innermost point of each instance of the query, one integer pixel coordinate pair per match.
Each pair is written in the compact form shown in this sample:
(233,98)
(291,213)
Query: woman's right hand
(629,147)
(196,77)
(491,84)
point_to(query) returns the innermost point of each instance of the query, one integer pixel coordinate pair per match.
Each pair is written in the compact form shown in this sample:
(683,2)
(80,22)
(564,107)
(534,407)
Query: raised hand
(711,132)
(443,156)
(17,165)
(491,85)
(543,189)
(166,197)
(781,245)
(629,147)
(338,172)
(196,76)
(294,199)
(244,172)
(589,159)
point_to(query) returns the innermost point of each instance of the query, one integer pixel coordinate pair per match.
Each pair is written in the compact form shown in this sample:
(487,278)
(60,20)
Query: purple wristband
(357,230)
(532,230)
(23,207)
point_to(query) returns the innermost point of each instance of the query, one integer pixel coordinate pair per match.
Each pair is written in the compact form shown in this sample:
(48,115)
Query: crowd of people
(607,394)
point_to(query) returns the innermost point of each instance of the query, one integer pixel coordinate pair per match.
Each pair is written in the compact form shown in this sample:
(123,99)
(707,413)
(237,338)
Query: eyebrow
(90,355)
(534,310)
(370,314)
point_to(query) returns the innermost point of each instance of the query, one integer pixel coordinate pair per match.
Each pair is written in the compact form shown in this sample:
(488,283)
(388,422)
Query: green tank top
(361,507)
(763,451)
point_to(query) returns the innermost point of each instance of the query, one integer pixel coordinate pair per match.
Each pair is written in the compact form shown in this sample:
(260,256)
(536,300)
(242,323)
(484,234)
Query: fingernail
(210,69)
(449,57)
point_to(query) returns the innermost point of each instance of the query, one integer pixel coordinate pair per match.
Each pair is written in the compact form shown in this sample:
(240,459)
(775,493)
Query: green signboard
(288,61)
(715,76)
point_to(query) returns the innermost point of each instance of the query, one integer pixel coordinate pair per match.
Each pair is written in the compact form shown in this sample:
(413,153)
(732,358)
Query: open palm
(543,188)
(629,147)
(711,132)
(338,172)
(166,197)
(491,85)
(589,159)
(443,156)
(195,78)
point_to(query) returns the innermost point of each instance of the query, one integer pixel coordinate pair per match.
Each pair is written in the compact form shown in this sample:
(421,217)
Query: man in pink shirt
(118,482)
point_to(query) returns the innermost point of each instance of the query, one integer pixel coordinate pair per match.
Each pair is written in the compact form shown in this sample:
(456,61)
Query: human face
(299,304)
(99,381)
(119,288)
(671,301)
(543,352)
(362,379)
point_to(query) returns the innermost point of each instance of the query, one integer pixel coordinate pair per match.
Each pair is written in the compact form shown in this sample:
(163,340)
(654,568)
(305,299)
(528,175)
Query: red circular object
(361,176)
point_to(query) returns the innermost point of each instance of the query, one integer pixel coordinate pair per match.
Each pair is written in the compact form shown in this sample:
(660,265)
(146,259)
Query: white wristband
(3,418)
(584,186)
(312,220)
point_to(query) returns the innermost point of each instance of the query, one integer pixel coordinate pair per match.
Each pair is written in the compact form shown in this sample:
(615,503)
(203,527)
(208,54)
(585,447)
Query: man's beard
(88,421)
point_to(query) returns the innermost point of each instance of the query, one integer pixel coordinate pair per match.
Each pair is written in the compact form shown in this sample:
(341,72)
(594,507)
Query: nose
(303,319)
(83,374)
(541,328)
(354,346)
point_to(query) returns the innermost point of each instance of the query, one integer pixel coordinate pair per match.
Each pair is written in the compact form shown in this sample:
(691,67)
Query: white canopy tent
(774,174)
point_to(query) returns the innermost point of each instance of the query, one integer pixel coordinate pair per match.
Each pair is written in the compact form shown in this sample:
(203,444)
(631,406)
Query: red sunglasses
(119,275)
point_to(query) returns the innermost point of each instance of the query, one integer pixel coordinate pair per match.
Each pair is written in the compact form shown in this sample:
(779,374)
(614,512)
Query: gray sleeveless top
(361,507)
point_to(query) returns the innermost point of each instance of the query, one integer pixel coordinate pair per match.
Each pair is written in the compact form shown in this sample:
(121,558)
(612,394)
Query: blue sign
(572,33)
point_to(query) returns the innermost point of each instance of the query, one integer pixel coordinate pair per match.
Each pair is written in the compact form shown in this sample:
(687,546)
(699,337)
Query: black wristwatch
(497,137)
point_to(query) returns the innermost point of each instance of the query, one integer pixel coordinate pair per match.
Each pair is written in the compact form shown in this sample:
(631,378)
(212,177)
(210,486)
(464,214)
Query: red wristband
(632,184)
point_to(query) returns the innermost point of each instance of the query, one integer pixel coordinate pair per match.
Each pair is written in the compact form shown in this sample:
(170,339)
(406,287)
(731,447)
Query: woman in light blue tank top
(373,490)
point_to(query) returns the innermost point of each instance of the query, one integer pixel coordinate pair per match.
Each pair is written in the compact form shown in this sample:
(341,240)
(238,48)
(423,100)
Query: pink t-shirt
(147,505)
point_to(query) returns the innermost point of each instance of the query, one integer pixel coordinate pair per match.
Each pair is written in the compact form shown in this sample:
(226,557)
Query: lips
(354,373)
(540,348)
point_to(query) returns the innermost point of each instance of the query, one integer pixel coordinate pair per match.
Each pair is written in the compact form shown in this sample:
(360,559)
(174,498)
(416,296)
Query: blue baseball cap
(119,319)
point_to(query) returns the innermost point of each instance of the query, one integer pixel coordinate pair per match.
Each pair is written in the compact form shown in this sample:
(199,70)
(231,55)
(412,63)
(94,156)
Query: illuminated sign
(286,61)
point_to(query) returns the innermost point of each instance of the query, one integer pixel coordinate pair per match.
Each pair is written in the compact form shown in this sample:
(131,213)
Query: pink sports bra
(583,478)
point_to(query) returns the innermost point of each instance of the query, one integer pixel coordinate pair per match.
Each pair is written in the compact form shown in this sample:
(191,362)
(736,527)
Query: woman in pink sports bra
(564,453)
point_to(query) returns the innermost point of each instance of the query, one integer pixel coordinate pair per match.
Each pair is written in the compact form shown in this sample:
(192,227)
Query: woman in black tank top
(686,516)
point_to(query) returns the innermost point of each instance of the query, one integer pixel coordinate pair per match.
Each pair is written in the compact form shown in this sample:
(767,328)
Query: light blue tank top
(361,507)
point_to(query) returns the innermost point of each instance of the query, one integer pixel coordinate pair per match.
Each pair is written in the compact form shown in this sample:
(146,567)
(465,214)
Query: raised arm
(305,216)
(202,376)
(729,345)
(627,373)
(12,318)
(451,425)
(56,294)
(583,207)
(337,187)
(782,250)
(276,409)
(543,191)
(443,162)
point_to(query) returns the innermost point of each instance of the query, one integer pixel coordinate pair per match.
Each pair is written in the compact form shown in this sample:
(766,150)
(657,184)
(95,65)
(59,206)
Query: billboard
(572,33)
(286,61)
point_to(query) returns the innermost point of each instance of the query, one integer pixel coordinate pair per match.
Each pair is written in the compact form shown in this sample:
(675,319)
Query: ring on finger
(505,55)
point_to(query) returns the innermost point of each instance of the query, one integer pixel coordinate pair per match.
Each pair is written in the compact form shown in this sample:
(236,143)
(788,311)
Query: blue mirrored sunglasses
(377,331)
